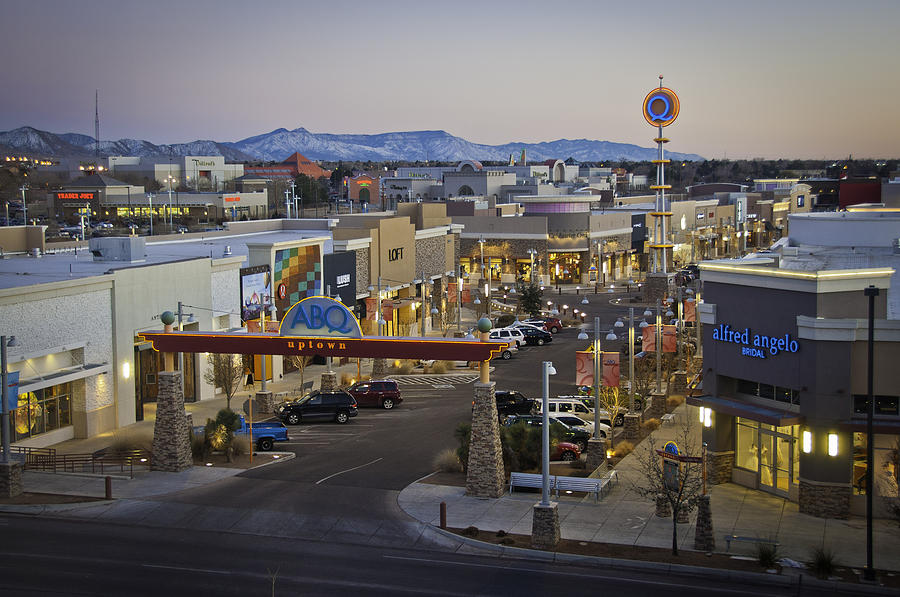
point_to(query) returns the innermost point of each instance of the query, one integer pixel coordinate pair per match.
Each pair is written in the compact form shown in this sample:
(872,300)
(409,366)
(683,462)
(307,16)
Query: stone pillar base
(704,540)
(171,435)
(663,508)
(595,455)
(679,382)
(329,381)
(485,474)
(265,402)
(657,406)
(657,286)
(718,467)
(632,425)
(545,526)
(825,500)
(379,368)
(683,515)
(10,479)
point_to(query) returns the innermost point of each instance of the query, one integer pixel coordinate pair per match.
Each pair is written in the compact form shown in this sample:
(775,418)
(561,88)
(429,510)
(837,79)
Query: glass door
(766,461)
(775,461)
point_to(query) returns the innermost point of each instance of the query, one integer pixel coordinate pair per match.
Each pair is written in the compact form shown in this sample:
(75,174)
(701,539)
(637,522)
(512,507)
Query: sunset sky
(791,79)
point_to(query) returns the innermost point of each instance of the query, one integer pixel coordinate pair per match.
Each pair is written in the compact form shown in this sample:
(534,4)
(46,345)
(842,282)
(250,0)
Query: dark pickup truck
(514,403)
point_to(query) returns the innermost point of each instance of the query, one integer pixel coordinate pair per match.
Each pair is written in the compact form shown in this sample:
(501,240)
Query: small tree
(219,434)
(613,401)
(225,371)
(300,361)
(681,491)
(530,299)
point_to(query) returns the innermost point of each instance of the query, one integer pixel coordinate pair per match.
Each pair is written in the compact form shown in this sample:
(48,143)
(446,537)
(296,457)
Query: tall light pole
(24,188)
(547,370)
(871,292)
(658,346)
(150,200)
(170,178)
(532,253)
(487,277)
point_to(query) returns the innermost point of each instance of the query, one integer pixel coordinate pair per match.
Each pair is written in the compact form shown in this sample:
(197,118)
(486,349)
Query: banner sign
(584,368)
(669,339)
(648,339)
(255,293)
(12,382)
(610,369)
(690,310)
(320,316)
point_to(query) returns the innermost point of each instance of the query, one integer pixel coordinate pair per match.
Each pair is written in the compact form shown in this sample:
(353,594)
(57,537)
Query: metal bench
(667,418)
(304,389)
(738,538)
(531,480)
(585,484)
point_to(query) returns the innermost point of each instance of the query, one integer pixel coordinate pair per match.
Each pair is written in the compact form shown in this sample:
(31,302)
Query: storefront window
(42,411)
(886,455)
(745,450)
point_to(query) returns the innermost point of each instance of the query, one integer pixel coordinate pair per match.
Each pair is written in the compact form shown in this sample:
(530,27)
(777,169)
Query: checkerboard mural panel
(300,270)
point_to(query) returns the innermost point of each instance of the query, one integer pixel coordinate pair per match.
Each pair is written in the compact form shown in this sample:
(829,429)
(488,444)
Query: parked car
(265,434)
(513,403)
(581,407)
(317,406)
(510,334)
(581,423)
(550,324)
(383,393)
(579,437)
(566,451)
(534,335)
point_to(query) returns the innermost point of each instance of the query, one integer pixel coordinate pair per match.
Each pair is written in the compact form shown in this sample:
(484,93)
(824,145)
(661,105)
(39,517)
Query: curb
(794,580)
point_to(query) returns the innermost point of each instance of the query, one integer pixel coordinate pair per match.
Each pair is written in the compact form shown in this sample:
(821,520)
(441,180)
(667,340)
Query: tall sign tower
(661,108)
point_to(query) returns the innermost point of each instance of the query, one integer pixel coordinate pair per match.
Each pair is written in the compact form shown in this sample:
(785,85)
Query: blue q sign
(320,316)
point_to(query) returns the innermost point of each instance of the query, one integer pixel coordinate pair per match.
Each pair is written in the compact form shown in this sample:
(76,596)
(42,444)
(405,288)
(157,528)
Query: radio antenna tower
(97,124)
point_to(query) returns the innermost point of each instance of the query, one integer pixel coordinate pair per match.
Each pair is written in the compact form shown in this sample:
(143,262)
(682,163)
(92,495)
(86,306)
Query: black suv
(534,335)
(578,437)
(513,403)
(318,406)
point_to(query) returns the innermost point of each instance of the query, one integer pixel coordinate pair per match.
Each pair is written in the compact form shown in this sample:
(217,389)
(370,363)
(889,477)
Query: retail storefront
(784,373)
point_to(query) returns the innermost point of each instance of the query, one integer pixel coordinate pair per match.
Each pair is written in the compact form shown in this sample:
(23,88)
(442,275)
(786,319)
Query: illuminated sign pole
(661,107)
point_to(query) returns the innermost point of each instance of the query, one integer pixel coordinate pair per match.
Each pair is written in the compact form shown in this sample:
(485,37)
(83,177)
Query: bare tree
(678,483)
(300,361)
(613,401)
(225,371)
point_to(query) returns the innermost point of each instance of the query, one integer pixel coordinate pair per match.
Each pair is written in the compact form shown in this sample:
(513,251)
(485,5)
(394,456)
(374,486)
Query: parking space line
(348,470)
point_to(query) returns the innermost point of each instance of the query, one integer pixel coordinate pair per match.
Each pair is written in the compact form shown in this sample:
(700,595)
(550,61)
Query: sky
(761,78)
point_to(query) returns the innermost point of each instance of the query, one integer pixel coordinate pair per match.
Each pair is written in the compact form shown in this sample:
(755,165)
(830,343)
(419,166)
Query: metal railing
(99,462)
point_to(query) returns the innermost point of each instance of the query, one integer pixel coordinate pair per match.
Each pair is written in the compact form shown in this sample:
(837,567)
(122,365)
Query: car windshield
(307,398)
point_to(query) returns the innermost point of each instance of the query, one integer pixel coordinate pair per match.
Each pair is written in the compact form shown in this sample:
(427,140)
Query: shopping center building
(785,363)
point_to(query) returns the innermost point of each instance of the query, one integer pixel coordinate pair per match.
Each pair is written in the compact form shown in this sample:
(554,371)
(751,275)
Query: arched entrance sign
(316,326)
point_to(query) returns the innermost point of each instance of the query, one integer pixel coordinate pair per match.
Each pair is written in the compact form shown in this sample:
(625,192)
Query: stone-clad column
(329,381)
(10,479)
(485,474)
(825,500)
(704,540)
(171,435)
(379,368)
(545,526)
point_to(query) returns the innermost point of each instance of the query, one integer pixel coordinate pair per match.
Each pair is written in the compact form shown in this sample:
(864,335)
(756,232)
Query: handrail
(46,459)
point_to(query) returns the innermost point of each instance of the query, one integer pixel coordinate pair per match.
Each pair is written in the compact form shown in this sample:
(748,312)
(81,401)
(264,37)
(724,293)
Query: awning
(878,426)
(61,376)
(750,410)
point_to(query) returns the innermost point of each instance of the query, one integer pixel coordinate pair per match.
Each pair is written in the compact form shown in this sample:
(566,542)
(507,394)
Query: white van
(574,405)
(508,335)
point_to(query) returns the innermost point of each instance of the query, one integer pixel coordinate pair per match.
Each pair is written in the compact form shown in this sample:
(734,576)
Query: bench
(531,480)
(730,538)
(585,484)
(667,418)
(304,389)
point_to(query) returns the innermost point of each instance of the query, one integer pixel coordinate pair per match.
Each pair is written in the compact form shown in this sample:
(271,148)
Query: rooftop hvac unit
(227,250)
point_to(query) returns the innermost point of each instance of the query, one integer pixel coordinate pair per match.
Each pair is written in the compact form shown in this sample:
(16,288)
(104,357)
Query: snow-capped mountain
(280,143)
(434,146)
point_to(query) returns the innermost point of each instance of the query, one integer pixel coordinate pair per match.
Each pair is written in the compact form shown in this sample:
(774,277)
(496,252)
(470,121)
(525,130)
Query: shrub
(505,319)
(347,379)
(199,447)
(402,367)
(651,424)
(823,562)
(623,449)
(470,531)
(122,444)
(674,402)
(240,445)
(767,554)
(439,367)
(447,461)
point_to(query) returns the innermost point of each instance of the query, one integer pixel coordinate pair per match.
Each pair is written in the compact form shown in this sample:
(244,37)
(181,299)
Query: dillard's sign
(755,345)
(320,316)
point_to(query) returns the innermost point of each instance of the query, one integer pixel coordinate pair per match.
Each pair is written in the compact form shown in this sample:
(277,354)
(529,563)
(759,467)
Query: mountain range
(279,144)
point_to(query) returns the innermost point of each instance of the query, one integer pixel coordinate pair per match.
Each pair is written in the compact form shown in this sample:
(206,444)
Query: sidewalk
(624,517)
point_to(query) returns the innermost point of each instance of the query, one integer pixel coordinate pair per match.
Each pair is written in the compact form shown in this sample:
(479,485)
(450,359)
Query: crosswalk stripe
(430,380)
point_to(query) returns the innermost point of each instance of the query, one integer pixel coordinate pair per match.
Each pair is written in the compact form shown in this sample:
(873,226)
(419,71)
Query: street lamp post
(598,360)
(547,370)
(150,201)
(871,292)
(658,347)
(532,253)
(170,178)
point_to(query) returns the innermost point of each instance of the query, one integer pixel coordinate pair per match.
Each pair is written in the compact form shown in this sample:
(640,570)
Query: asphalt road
(57,557)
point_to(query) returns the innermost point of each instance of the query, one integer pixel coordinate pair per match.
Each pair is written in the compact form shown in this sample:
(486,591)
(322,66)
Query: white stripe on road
(186,569)
(348,470)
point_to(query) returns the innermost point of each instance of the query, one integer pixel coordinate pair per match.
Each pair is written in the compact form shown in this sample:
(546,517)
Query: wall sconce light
(806,442)
(832,444)
(126,370)
(707,419)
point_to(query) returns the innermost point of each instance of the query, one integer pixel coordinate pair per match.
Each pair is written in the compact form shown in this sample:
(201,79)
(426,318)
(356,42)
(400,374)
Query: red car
(565,451)
(383,393)
(550,324)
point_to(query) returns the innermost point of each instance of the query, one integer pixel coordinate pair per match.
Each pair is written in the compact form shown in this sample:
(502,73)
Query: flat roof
(22,270)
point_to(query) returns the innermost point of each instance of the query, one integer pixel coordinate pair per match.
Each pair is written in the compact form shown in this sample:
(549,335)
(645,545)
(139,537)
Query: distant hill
(280,143)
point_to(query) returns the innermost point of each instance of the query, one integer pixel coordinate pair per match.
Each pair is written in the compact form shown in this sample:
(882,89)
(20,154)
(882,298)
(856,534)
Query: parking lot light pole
(4,379)
(547,370)
(871,292)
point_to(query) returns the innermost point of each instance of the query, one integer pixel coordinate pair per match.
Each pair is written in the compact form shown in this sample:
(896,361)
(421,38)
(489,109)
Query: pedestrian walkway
(435,379)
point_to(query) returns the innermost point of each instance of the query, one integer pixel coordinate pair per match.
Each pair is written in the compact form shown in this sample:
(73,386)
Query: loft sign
(755,345)
(320,316)
(395,254)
